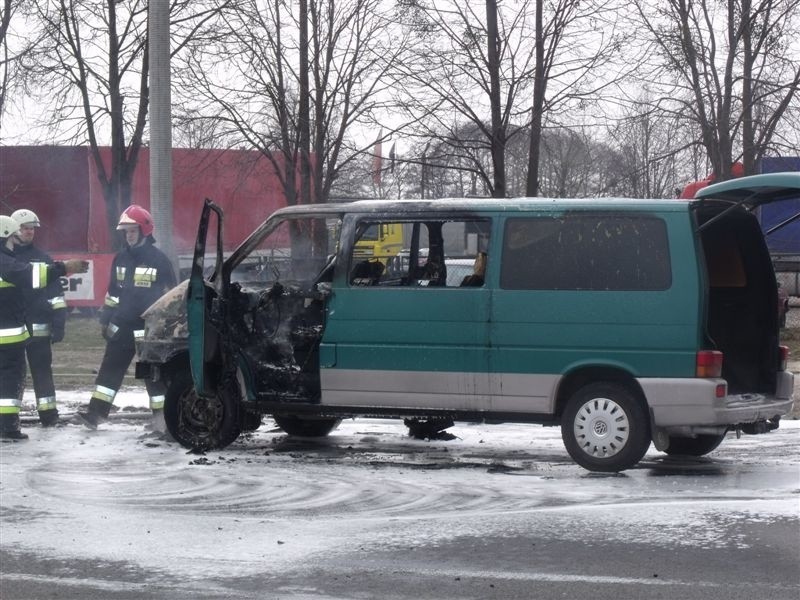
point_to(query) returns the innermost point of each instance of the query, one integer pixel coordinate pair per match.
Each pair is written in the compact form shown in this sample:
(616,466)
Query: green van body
(490,349)
(616,365)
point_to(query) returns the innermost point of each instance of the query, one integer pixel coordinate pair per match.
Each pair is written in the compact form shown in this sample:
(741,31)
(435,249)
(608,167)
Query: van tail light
(709,363)
(783,357)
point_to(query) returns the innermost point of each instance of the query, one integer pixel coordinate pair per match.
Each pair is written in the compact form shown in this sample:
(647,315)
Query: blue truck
(783,241)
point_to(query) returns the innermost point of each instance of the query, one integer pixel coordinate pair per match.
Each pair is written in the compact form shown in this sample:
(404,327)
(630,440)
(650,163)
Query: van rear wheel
(306,426)
(696,446)
(605,428)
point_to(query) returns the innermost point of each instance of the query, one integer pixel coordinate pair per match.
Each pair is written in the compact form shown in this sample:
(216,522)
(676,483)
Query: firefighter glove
(76,265)
(57,335)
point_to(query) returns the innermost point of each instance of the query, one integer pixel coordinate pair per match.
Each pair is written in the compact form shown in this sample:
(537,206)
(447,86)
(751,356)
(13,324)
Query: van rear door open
(752,192)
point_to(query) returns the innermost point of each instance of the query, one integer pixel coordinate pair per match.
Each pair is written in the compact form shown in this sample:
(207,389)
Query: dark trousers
(12,384)
(40,362)
(120,350)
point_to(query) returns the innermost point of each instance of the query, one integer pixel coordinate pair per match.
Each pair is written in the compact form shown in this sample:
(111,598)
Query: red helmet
(136,215)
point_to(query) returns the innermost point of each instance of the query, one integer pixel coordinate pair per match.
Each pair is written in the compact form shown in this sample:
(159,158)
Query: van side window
(586,251)
(435,253)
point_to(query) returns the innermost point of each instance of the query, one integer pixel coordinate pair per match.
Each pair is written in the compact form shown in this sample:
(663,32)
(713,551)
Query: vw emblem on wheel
(600,428)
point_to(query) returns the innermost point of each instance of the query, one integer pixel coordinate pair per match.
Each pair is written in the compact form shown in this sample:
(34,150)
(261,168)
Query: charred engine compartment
(277,333)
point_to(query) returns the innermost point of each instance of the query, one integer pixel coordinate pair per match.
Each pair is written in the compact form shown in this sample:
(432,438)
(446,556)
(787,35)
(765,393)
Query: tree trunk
(749,150)
(498,141)
(539,86)
(303,109)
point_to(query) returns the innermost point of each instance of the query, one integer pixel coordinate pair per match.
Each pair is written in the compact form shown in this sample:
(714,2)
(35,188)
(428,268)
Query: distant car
(783,305)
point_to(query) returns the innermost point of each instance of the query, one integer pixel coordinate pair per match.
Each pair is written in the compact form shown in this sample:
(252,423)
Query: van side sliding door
(407,325)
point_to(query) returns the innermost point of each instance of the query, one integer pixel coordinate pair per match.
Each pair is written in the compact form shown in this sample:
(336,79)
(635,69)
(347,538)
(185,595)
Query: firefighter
(16,276)
(46,313)
(140,274)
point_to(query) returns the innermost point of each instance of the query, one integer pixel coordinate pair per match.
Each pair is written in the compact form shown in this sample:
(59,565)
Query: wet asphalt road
(500,512)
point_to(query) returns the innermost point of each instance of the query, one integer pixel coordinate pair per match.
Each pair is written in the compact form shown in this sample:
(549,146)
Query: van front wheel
(605,428)
(199,422)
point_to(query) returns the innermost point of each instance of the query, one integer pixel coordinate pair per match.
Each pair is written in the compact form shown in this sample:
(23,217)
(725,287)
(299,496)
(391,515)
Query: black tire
(306,426)
(605,427)
(197,422)
(697,446)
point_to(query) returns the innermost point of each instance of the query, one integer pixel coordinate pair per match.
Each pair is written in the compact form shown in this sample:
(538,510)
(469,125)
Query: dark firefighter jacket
(139,276)
(16,276)
(43,306)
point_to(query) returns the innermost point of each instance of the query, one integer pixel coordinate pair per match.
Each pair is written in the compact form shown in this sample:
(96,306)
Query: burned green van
(626,322)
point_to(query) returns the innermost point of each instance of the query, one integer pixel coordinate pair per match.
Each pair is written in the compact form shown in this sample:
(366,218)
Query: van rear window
(586,252)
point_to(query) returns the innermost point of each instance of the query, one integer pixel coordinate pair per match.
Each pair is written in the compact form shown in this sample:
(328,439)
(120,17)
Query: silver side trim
(511,392)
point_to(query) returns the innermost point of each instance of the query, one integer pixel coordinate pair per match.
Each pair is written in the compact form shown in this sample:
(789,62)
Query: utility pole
(424,172)
(161,127)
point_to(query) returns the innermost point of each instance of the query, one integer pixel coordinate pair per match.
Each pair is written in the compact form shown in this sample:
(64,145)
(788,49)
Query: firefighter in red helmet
(16,277)
(140,274)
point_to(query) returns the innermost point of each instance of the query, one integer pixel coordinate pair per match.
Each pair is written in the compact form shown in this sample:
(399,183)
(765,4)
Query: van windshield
(294,250)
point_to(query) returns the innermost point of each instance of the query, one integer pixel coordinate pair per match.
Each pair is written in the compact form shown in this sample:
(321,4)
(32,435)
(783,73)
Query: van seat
(366,272)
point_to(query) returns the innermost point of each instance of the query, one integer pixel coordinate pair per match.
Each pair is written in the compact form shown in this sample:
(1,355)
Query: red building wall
(60,184)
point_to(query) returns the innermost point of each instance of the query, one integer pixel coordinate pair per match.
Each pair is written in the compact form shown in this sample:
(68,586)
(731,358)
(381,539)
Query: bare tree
(483,65)
(473,65)
(497,144)
(654,151)
(732,70)
(90,62)
(5,22)
(576,44)
(281,74)
(575,162)
(12,50)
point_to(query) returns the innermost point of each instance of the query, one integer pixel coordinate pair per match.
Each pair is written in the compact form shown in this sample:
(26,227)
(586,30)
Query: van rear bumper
(693,402)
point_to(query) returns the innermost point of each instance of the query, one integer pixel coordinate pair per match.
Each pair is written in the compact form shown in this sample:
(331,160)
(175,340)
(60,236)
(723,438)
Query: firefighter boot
(156,428)
(9,429)
(97,413)
(48,417)
(157,423)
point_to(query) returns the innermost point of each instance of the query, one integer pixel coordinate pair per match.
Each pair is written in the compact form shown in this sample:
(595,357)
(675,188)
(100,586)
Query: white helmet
(8,226)
(23,216)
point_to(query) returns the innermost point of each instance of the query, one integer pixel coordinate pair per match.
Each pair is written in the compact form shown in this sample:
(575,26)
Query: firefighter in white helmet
(16,276)
(46,314)
(140,275)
